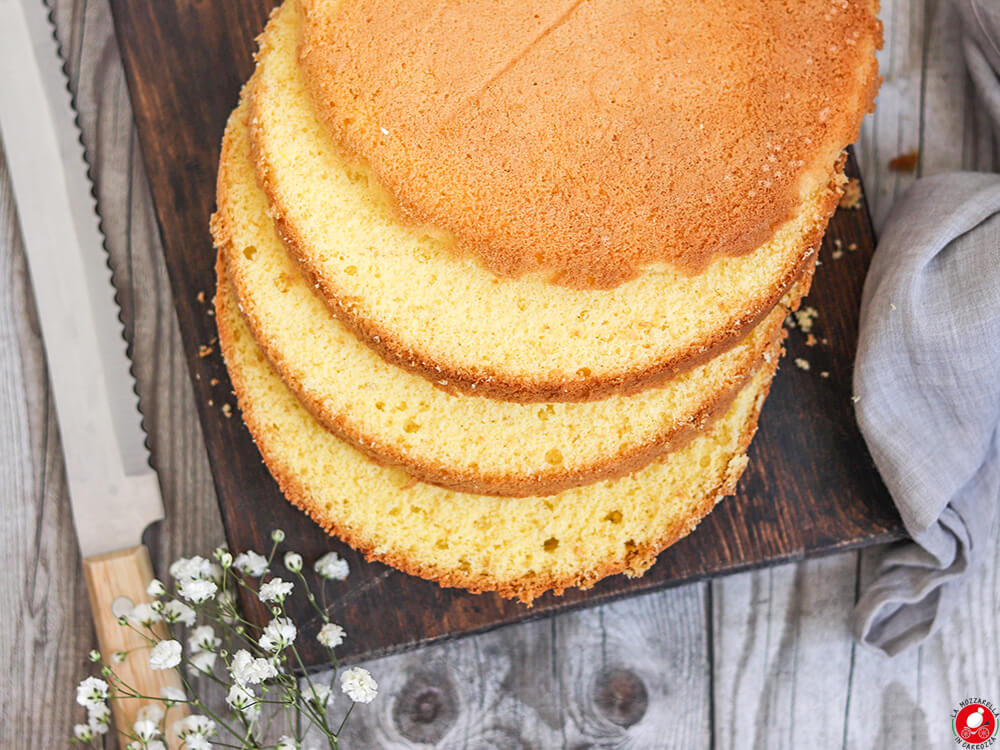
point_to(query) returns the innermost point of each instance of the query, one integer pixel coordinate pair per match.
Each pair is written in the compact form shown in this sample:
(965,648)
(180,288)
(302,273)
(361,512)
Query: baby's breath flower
(172,696)
(156,745)
(293,561)
(227,605)
(251,564)
(331,635)
(197,590)
(226,560)
(275,590)
(241,698)
(156,588)
(91,692)
(178,611)
(143,614)
(145,730)
(157,606)
(286,743)
(99,718)
(191,567)
(202,661)
(82,733)
(165,655)
(203,638)
(332,567)
(151,712)
(277,536)
(359,685)
(197,742)
(194,726)
(246,669)
(318,694)
(94,655)
(278,634)
(119,657)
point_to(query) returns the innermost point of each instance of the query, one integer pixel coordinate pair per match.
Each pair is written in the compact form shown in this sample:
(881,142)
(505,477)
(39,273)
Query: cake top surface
(590,139)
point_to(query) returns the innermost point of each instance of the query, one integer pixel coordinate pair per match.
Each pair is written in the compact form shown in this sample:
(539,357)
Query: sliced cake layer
(409,295)
(519,547)
(586,141)
(469,443)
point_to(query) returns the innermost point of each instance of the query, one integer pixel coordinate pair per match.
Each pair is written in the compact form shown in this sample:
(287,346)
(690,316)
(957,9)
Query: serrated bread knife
(112,487)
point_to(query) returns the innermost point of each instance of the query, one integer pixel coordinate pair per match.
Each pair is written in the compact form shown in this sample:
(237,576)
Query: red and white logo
(974,723)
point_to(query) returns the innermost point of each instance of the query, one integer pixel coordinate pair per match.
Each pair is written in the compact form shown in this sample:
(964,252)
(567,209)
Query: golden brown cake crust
(588,140)
(634,563)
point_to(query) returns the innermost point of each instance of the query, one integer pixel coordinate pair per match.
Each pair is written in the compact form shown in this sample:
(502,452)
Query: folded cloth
(927,376)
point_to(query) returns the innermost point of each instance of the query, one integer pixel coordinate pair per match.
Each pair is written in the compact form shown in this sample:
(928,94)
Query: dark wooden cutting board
(810,489)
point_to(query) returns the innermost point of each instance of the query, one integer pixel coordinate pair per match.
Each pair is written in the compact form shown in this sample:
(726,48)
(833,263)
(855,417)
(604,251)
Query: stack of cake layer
(501,289)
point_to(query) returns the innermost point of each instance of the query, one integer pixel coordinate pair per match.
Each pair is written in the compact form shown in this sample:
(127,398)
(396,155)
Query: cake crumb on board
(805,317)
(204,350)
(905,162)
(802,364)
(852,194)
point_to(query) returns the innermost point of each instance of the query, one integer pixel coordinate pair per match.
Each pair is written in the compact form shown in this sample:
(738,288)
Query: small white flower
(194,725)
(246,669)
(240,696)
(318,694)
(331,635)
(275,590)
(178,611)
(145,730)
(293,561)
(197,742)
(172,696)
(99,718)
(359,685)
(203,638)
(165,655)
(185,568)
(136,745)
(151,712)
(197,590)
(156,745)
(278,536)
(251,564)
(143,614)
(156,588)
(278,634)
(332,567)
(226,560)
(202,661)
(91,692)
(82,733)
(286,743)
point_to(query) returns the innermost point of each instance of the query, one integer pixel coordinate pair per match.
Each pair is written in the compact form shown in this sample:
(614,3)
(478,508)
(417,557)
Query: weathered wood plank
(631,674)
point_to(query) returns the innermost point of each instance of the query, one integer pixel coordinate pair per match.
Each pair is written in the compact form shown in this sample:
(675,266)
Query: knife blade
(113,489)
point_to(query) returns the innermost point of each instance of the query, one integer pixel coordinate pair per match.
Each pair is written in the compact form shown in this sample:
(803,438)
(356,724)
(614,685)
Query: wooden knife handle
(116,582)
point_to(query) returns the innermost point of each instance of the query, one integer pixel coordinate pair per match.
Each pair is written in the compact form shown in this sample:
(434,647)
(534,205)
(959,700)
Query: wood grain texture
(902,703)
(810,488)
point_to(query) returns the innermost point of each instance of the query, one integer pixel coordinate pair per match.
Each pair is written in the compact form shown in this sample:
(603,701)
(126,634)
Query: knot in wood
(426,708)
(620,696)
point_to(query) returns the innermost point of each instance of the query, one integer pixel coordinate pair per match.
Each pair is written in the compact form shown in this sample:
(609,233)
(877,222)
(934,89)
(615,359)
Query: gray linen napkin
(927,376)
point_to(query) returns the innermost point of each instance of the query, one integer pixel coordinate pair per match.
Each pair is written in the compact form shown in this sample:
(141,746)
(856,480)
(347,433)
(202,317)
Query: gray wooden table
(761,660)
